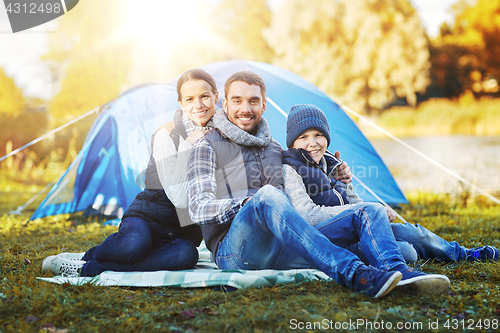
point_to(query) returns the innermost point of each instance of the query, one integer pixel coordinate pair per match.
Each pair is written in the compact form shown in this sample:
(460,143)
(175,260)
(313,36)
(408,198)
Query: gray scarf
(241,137)
(190,126)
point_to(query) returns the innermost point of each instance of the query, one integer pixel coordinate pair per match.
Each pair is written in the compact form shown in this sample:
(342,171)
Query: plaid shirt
(204,207)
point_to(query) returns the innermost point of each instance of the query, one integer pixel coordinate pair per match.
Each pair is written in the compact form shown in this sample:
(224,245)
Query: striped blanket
(205,274)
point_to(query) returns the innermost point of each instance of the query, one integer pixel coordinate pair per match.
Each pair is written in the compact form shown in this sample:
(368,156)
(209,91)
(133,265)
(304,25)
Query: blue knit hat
(304,117)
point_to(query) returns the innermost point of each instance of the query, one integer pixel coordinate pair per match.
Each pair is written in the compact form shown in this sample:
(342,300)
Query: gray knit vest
(241,171)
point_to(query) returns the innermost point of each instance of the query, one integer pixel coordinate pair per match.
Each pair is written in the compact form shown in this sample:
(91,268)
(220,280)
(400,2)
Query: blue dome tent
(107,173)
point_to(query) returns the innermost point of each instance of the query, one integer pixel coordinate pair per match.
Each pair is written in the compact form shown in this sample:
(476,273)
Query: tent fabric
(107,173)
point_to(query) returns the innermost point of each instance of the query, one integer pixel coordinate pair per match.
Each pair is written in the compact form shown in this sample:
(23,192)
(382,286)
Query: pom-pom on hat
(304,117)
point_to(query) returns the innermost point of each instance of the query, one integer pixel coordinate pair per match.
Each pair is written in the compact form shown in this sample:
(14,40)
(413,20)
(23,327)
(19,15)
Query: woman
(156,232)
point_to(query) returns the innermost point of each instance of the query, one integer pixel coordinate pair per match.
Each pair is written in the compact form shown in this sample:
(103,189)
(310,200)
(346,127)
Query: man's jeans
(415,240)
(268,233)
(137,247)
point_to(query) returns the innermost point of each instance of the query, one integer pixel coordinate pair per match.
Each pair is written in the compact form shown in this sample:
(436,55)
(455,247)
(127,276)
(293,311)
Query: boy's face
(312,141)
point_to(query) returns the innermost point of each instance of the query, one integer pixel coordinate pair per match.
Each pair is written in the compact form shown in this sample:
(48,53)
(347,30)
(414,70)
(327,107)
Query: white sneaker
(72,255)
(62,266)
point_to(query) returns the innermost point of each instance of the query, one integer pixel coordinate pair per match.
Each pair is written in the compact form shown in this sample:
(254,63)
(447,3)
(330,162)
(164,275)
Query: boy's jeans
(415,240)
(139,247)
(268,233)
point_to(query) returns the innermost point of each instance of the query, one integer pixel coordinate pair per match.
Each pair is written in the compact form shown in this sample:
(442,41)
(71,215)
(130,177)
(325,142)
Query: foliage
(444,117)
(19,129)
(362,52)
(11,97)
(241,23)
(29,305)
(477,27)
(469,50)
(90,57)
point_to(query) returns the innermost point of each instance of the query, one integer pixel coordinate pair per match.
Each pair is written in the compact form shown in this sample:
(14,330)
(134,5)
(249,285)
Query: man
(235,186)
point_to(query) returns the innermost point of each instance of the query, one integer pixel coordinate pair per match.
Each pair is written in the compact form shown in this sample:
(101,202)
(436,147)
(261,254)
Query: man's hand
(391,214)
(342,172)
(196,135)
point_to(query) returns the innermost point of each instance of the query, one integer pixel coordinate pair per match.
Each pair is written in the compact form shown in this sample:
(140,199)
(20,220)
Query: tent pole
(418,152)
(95,110)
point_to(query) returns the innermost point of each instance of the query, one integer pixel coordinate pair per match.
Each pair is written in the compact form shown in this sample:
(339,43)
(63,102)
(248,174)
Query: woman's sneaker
(71,255)
(433,284)
(62,266)
(373,282)
(482,253)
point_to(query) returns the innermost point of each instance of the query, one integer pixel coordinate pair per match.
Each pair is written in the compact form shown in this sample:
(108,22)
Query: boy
(307,169)
(332,207)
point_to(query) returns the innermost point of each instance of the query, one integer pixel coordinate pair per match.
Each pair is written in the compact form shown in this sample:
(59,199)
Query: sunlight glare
(162,24)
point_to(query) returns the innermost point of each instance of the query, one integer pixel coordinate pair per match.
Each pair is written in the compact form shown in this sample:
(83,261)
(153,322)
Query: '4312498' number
(33,8)
(471,324)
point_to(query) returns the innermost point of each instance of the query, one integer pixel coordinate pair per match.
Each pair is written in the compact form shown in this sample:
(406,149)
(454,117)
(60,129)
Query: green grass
(444,117)
(29,305)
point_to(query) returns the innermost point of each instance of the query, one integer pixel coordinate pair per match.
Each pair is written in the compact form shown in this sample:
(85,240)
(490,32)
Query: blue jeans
(416,242)
(268,233)
(140,246)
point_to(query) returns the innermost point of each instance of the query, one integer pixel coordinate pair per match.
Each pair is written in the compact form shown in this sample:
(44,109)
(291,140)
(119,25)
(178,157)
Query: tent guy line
(20,209)
(277,106)
(378,198)
(418,152)
(95,110)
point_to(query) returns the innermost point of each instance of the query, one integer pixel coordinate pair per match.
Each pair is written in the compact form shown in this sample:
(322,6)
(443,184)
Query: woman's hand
(197,134)
(342,172)
(391,214)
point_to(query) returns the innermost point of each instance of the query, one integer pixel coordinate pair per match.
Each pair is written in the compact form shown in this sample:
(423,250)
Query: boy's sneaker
(71,255)
(62,266)
(482,253)
(373,282)
(433,284)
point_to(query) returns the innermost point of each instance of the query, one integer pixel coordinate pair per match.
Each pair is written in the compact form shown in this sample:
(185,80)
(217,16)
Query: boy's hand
(391,214)
(342,172)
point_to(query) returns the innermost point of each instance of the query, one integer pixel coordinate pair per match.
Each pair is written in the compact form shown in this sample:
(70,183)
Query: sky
(20,53)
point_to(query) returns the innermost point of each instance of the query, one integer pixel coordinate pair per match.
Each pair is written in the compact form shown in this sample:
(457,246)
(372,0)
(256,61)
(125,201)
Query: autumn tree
(241,24)
(364,52)
(11,97)
(471,47)
(21,120)
(89,57)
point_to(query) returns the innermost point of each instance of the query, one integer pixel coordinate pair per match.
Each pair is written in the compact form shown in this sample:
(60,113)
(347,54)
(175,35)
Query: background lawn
(29,305)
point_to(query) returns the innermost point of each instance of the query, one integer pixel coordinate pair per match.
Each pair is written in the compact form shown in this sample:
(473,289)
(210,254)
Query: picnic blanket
(205,274)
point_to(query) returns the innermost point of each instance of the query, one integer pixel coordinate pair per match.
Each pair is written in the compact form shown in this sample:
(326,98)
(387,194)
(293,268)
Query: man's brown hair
(247,77)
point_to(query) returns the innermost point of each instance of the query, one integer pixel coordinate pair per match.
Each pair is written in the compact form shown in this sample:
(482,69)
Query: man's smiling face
(244,105)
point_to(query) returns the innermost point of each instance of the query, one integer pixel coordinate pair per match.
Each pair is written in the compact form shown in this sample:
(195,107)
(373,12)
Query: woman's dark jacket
(153,205)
